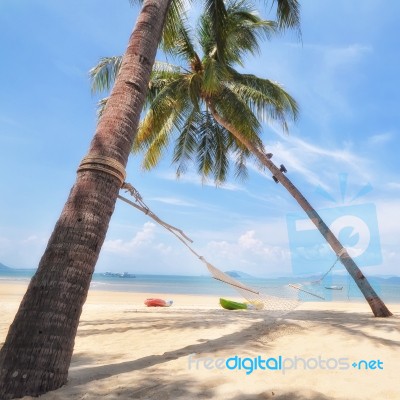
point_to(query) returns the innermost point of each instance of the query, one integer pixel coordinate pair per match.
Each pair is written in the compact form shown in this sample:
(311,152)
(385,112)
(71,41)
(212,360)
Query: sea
(388,288)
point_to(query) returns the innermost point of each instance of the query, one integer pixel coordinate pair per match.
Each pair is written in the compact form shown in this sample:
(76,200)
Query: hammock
(287,297)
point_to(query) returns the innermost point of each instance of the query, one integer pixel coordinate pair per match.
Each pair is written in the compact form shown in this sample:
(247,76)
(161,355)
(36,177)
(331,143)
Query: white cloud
(31,239)
(338,56)
(380,138)
(251,254)
(316,163)
(142,239)
(172,200)
(194,179)
(248,241)
(393,185)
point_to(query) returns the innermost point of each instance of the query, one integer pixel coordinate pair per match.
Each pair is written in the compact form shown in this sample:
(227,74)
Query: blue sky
(344,75)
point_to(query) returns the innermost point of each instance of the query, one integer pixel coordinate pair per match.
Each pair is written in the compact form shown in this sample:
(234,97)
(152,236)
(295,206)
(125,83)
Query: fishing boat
(334,287)
(119,275)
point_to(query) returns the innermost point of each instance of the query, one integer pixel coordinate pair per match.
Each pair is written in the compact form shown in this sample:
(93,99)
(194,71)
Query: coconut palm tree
(211,111)
(36,354)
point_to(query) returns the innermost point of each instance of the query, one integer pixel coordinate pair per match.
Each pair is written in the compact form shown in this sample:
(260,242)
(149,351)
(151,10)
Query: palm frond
(175,20)
(288,14)
(266,98)
(167,114)
(241,156)
(159,143)
(205,151)
(244,31)
(159,115)
(163,77)
(213,75)
(183,46)
(235,110)
(221,157)
(186,143)
(104,73)
(215,13)
(101,105)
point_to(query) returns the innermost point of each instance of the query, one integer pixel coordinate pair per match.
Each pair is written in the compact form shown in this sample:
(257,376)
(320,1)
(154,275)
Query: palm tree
(212,110)
(36,354)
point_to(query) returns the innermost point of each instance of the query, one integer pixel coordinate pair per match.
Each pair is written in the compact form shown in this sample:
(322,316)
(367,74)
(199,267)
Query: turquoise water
(388,289)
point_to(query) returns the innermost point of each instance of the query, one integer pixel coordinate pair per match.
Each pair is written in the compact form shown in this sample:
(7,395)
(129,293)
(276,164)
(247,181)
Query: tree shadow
(244,336)
(153,384)
(290,395)
(183,320)
(352,324)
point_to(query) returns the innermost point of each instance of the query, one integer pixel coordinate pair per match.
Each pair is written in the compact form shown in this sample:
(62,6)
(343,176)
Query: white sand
(127,351)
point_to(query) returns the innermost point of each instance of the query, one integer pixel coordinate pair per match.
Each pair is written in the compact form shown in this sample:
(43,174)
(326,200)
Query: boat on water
(119,275)
(334,287)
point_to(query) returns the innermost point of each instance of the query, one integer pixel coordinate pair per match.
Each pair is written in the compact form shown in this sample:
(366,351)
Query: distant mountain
(238,274)
(391,279)
(4,267)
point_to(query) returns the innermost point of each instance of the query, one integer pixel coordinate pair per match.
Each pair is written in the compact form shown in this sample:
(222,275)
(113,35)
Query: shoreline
(21,284)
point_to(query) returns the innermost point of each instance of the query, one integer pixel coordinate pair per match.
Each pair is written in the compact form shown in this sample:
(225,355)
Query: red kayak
(157,303)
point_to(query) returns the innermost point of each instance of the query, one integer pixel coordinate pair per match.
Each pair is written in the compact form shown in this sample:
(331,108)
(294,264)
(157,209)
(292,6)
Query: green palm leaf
(104,73)
(205,107)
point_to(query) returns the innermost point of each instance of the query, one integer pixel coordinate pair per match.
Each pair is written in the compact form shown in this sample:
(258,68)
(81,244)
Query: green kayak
(232,305)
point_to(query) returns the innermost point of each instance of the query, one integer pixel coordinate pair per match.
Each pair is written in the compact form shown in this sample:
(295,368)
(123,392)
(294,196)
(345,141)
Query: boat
(232,305)
(334,287)
(127,275)
(119,275)
(158,303)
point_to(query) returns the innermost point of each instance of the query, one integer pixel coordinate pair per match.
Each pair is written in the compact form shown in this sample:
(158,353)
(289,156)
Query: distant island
(238,274)
(4,267)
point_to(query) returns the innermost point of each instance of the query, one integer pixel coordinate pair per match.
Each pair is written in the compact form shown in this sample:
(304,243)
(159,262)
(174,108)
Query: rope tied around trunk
(105,164)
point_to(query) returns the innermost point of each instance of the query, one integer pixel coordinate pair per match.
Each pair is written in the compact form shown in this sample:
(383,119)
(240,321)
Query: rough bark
(378,307)
(37,352)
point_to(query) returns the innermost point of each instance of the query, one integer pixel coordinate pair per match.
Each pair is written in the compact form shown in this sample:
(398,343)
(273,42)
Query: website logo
(280,363)
(355,225)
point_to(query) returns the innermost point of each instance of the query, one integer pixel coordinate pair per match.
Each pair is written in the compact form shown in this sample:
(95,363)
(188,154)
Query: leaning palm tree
(37,351)
(212,110)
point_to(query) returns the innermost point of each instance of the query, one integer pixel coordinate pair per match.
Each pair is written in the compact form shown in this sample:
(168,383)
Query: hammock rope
(318,281)
(288,297)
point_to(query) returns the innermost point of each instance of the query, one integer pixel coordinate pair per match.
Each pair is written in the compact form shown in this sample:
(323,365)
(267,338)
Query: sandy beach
(125,350)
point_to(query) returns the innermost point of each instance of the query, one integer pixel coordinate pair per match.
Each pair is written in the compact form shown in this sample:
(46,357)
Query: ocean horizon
(388,289)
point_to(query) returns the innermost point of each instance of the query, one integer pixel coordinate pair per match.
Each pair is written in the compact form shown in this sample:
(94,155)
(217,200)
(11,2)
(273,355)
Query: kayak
(232,305)
(158,303)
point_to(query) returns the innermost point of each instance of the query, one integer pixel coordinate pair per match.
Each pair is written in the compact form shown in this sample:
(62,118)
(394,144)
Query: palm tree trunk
(378,307)
(37,352)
